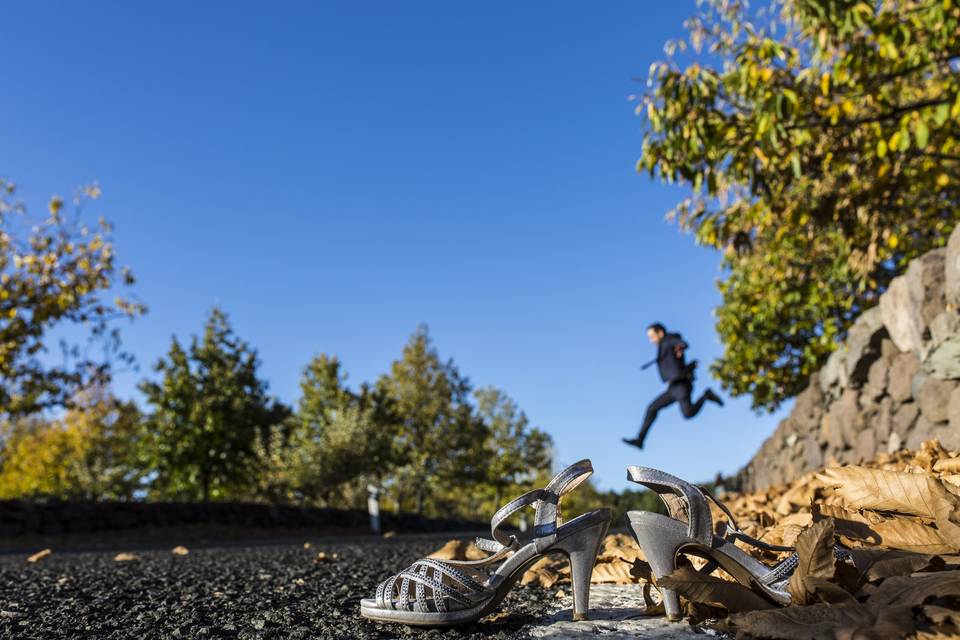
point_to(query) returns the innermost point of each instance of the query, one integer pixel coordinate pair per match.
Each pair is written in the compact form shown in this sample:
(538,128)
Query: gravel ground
(240,592)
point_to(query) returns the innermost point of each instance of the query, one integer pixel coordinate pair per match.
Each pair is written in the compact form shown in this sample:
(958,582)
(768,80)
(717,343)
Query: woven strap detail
(430,591)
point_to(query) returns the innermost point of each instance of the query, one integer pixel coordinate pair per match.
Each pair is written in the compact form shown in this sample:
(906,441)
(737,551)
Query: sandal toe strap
(427,579)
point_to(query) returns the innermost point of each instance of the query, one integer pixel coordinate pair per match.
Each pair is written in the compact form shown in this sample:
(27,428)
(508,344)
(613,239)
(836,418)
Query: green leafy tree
(513,453)
(56,272)
(439,440)
(336,442)
(209,409)
(821,143)
(89,453)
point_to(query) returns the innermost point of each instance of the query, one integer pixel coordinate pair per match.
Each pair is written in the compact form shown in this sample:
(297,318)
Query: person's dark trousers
(678,391)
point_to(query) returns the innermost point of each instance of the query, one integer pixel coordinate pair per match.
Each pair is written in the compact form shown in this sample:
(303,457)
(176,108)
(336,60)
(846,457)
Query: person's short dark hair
(656,326)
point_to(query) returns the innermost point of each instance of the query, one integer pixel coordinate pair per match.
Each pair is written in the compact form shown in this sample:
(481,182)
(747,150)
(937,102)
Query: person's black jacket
(672,368)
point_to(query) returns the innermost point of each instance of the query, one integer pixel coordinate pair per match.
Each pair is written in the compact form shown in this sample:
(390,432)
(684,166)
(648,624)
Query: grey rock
(882,421)
(948,436)
(863,345)
(918,379)
(913,300)
(944,326)
(900,377)
(953,409)
(904,419)
(933,399)
(888,350)
(943,360)
(877,379)
(847,415)
(809,454)
(920,434)
(830,433)
(894,444)
(808,408)
(952,269)
(833,375)
(866,446)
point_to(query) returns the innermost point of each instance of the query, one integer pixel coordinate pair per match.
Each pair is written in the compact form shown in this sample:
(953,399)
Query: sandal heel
(660,549)
(582,549)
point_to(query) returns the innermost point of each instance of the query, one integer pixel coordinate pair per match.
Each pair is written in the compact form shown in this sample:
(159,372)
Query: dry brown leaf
(706,589)
(800,495)
(459,550)
(877,564)
(934,635)
(39,555)
(912,591)
(816,564)
(941,615)
(641,571)
(614,571)
(826,622)
(787,531)
(947,465)
(546,572)
(125,556)
(909,535)
(883,490)
(851,526)
(620,545)
(179,550)
(827,591)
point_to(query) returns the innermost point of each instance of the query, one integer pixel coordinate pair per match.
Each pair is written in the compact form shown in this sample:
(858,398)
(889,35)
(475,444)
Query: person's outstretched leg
(665,399)
(683,391)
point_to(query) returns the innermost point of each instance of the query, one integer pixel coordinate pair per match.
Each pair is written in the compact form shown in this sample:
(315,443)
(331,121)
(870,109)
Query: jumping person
(678,375)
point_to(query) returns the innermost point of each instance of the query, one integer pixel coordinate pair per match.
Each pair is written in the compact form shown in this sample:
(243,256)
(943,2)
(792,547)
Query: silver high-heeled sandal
(688,529)
(446,592)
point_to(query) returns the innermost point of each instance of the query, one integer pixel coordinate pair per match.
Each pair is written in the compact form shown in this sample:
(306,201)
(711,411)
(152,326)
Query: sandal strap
(549,515)
(725,530)
(429,573)
(502,541)
(684,501)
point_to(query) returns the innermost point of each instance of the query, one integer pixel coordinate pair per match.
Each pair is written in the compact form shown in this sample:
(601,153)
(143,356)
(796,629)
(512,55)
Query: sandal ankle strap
(684,501)
(547,502)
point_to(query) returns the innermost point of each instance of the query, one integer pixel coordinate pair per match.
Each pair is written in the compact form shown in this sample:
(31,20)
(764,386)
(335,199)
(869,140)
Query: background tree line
(209,430)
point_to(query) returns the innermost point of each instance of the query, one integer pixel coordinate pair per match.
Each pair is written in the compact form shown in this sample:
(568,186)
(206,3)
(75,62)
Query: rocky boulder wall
(892,384)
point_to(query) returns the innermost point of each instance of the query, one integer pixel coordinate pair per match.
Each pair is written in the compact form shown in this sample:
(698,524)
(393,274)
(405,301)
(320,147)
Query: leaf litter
(897,515)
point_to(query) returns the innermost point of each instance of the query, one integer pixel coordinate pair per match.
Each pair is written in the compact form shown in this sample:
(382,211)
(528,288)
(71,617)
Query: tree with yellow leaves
(89,453)
(54,272)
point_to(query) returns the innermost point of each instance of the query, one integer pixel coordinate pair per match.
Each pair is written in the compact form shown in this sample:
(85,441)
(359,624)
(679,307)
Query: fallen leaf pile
(898,517)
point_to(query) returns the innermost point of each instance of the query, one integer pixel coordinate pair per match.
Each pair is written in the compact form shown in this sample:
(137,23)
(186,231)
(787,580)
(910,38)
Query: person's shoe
(712,397)
(634,442)
(433,592)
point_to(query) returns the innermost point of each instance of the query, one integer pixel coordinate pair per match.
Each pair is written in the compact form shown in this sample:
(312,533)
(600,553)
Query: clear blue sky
(333,174)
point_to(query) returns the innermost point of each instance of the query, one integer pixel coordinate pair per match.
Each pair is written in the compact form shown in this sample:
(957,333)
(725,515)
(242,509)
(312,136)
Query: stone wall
(894,383)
